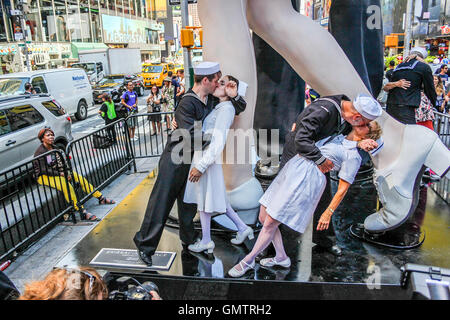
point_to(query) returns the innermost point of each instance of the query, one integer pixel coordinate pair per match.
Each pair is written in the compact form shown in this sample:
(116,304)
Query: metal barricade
(100,157)
(442,128)
(29,201)
(151,130)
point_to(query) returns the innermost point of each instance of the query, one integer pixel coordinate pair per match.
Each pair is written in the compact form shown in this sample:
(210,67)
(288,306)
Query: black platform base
(364,271)
(406,238)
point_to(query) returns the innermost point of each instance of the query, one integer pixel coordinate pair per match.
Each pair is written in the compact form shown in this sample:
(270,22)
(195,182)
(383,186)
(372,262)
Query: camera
(131,289)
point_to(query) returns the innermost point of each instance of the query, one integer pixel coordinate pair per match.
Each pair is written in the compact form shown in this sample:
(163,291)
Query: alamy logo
(374,20)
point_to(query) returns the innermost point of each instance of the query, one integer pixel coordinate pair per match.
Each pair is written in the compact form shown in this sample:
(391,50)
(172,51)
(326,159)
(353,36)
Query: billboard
(123,30)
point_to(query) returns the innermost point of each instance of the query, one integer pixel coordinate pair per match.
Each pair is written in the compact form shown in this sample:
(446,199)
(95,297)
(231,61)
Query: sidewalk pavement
(39,259)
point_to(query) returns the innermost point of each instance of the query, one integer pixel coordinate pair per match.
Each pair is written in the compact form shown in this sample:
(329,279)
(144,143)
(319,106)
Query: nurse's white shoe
(200,247)
(241,236)
(235,273)
(271,262)
(398,183)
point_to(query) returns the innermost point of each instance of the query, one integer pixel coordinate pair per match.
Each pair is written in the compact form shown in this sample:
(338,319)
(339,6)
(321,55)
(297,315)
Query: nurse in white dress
(293,196)
(206,184)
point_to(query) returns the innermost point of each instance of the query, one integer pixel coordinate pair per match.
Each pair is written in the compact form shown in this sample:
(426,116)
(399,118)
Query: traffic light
(187,38)
(201,37)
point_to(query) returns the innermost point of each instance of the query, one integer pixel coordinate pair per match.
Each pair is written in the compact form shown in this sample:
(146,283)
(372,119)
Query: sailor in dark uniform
(402,100)
(170,184)
(328,117)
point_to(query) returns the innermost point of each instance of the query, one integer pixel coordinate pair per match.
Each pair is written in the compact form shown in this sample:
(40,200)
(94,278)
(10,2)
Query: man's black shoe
(335,250)
(145,258)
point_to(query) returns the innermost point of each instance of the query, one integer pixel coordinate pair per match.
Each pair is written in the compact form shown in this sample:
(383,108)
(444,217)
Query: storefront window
(77,29)
(133,7)
(112,5)
(61,20)
(33,23)
(103,3)
(126,6)
(85,21)
(153,37)
(48,20)
(95,22)
(119,6)
(143,8)
(139,8)
(150,4)
(3,17)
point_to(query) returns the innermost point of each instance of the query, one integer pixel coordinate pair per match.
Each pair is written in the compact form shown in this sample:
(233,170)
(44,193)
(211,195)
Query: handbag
(425,111)
(101,142)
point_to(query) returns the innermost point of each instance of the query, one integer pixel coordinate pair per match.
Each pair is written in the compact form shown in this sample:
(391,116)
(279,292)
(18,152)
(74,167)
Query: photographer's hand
(155,295)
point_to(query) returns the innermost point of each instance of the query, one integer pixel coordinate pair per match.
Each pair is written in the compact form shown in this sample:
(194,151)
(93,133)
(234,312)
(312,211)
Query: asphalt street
(94,121)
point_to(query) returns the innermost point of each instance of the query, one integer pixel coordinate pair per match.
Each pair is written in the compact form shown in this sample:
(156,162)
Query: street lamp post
(186,53)
(408,28)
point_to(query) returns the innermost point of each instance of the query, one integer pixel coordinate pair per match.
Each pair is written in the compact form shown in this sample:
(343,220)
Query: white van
(70,87)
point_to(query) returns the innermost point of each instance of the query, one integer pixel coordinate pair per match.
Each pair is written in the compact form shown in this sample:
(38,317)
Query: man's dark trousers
(169,186)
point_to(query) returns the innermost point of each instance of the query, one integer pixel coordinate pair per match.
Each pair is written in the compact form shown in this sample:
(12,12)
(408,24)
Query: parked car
(115,85)
(70,87)
(21,118)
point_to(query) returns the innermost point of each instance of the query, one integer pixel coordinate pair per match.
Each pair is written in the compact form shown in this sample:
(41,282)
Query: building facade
(430,23)
(56,30)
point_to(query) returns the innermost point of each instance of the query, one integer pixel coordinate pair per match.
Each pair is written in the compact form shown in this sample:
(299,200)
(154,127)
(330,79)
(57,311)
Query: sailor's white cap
(367,106)
(206,68)
(423,52)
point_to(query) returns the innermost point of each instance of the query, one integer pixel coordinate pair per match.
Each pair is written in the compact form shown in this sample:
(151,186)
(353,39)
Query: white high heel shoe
(200,247)
(235,273)
(398,183)
(240,236)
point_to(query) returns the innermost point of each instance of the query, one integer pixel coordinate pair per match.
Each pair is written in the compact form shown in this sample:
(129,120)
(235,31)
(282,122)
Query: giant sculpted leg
(316,56)
(318,59)
(227,40)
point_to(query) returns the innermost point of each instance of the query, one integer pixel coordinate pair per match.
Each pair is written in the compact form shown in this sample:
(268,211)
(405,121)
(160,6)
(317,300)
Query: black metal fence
(442,127)
(100,157)
(31,205)
(151,131)
(28,204)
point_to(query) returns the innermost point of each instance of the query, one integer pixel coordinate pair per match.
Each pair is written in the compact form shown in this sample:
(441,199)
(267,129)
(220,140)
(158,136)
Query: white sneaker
(235,273)
(200,247)
(240,236)
(270,262)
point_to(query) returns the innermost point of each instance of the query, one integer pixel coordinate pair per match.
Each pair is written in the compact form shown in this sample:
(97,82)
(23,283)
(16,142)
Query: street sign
(18,36)
(15,12)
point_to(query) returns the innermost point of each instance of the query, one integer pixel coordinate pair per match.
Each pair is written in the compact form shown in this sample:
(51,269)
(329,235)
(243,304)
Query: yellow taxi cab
(154,73)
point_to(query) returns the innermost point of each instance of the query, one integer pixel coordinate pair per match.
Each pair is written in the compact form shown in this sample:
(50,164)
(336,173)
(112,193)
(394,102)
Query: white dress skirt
(294,194)
(209,193)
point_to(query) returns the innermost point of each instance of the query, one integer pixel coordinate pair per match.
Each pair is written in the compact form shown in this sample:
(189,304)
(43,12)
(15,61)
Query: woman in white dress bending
(206,184)
(293,196)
